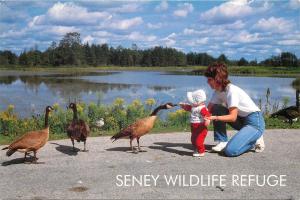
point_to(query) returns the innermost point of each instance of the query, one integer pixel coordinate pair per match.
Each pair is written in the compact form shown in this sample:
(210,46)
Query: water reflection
(30,92)
(7,80)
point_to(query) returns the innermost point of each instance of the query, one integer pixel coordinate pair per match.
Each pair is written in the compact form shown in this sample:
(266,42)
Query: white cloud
(212,31)
(226,12)
(154,26)
(70,14)
(137,36)
(163,6)
(169,42)
(290,42)
(273,24)
(202,40)
(196,42)
(277,51)
(184,10)
(59,30)
(172,35)
(88,39)
(126,23)
(8,15)
(245,37)
(13,34)
(294,4)
(239,24)
(102,34)
(101,40)
(127,8)
(190,31)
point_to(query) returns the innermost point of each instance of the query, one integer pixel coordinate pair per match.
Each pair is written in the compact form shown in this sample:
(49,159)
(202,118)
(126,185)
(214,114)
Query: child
(198,122)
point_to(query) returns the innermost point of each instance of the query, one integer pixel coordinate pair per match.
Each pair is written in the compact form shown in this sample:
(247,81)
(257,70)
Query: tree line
(70,51)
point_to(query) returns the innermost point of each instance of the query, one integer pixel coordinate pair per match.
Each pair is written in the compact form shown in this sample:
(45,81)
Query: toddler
(198,120)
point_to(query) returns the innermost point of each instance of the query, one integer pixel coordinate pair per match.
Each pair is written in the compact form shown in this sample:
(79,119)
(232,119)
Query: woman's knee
(230,152)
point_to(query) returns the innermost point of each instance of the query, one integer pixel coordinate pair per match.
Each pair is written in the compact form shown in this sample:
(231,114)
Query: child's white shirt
(196,116)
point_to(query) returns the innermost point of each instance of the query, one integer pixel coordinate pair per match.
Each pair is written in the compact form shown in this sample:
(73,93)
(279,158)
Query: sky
(253,29)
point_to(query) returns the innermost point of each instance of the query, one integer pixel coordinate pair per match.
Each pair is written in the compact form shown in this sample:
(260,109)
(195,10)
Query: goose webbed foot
(135,152)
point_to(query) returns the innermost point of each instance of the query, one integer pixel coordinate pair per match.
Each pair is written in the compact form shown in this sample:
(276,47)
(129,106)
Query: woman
(230,104)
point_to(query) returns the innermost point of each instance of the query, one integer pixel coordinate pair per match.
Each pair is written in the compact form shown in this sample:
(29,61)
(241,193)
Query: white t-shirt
(196,116)
(234,96)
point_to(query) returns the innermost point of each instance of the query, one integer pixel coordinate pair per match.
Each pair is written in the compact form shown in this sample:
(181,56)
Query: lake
(30,92)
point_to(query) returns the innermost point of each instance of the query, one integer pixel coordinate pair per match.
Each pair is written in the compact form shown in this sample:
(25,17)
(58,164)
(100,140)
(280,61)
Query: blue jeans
(250,128)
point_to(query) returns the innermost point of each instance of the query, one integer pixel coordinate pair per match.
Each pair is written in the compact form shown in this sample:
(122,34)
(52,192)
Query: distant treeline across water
(70,51)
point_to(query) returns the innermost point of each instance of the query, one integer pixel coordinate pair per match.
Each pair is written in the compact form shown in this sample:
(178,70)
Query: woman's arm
(231,117)
(209,107)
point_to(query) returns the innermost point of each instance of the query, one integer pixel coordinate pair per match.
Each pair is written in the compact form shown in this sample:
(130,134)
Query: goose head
(49,109)
(169,105)
(72,106)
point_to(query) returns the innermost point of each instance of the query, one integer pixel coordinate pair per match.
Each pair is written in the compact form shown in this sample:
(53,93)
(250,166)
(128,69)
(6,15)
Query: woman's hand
(211,117)
(231,117)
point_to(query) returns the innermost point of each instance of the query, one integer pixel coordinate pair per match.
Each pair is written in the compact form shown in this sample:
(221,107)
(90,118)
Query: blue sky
(241,28)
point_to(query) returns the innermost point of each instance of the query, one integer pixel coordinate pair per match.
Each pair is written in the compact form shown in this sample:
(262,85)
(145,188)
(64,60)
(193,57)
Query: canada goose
(77,129)
(140,127)
(290,113)
(31,141)
(99,123)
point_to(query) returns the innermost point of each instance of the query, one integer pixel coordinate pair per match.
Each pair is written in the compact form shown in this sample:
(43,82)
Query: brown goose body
(31,141)
(77,129)
(137,129)
(140,127)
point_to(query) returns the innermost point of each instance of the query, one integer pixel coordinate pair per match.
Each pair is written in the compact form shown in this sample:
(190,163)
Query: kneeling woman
(230,104)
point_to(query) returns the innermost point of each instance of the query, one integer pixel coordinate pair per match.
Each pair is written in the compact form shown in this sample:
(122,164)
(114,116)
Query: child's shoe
(197,154)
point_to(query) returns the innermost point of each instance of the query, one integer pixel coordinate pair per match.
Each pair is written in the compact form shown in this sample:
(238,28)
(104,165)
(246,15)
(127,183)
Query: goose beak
(171,105)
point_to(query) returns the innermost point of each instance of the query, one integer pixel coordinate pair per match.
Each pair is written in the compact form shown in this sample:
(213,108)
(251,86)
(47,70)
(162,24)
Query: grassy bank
(233,70)
(116,116)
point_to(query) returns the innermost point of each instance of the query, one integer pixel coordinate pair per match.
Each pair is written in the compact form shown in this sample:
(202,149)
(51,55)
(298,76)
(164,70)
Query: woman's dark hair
(218,71)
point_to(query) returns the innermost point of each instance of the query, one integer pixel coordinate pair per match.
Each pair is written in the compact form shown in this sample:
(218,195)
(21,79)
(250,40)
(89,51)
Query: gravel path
(109,171)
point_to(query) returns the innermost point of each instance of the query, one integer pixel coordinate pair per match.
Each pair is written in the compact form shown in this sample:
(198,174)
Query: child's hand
(182,104)
(206,122)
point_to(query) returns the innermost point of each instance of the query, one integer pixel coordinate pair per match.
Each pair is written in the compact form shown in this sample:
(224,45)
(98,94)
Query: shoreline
(255,71)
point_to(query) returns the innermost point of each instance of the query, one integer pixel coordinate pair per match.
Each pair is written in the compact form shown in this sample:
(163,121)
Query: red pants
(199,132)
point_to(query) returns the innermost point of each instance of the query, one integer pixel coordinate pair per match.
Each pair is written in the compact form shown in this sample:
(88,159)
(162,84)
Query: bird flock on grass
(78,130)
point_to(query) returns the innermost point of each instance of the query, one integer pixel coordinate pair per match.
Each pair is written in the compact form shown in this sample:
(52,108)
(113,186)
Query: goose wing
(76,129)
(126,132)
(30,140)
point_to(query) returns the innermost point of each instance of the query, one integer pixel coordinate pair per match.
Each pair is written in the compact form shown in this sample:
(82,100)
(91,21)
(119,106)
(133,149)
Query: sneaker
(260,145)
(196,153)
(219,147)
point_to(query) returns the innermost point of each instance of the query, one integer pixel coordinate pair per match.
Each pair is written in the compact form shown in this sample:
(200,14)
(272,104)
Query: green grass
(270,124)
